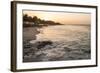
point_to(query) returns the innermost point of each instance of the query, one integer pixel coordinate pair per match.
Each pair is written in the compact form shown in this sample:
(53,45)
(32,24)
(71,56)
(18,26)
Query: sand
(29,33)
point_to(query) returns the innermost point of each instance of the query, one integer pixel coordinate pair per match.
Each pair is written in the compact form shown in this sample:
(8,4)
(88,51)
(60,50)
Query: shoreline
(30,33)
(48,50)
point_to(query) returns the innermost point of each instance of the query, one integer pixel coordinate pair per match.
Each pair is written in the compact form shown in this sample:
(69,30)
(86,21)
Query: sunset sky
(62,17)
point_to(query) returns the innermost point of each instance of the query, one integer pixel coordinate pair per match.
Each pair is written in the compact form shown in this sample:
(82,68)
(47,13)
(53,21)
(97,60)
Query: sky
(62,17)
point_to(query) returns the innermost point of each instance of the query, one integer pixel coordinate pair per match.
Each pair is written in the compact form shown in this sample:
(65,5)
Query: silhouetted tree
(30,19)
(35,20)
(25,17)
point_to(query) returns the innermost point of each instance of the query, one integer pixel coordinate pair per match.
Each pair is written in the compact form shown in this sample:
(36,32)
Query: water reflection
(63,33)
(56,43)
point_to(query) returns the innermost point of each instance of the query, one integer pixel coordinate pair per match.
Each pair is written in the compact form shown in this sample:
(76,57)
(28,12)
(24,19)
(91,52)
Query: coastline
(29,33)
(50,50)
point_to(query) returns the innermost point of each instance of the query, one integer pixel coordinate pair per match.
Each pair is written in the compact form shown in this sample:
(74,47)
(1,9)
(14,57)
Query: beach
(49,44)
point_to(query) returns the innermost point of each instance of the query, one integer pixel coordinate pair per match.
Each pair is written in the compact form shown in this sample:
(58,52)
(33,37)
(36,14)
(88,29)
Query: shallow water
(63,33)
(69,42)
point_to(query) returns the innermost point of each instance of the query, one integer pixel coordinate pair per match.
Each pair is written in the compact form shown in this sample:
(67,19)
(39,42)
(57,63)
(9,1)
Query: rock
(26,45)
(54,53)
(67,49)
(42,44)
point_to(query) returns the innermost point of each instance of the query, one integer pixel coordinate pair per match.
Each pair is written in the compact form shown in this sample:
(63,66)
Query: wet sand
(29,33)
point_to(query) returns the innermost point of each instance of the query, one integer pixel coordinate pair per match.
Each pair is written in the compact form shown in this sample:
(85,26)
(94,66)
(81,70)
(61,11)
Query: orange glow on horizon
(62,17)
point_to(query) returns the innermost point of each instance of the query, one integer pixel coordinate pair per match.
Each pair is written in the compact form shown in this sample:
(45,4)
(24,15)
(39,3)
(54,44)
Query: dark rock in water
(42,44)
(67,49)
(86,50)
(27,45)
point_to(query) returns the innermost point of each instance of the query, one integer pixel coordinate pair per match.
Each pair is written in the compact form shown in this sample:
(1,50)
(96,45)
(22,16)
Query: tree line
(35,21)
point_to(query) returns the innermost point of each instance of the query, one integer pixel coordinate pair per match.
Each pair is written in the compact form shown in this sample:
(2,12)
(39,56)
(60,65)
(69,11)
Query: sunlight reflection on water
(68,42)
(63,33)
